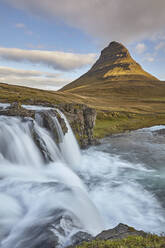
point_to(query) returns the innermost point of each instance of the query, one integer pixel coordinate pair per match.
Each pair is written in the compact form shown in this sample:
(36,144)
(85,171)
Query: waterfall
(38,197)
(49,190)
(69,146)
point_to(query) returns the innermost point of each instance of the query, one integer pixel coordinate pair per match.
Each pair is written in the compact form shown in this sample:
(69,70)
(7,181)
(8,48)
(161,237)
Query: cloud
(140,48)
(23,27)
(55,59)
(121,20)
(149,58)
(7,71)
(160,45)
(20,25)
(32,78)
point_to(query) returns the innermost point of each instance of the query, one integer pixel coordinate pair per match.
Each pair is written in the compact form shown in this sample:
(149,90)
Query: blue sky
(74,32)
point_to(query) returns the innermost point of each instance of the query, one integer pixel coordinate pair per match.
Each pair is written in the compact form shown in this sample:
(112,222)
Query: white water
(35,194)
(90,191)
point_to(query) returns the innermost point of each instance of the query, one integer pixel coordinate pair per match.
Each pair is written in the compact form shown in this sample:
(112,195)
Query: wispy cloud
(24,28)
(20,25)
(55,59)
(160,46)
(32,78)
(140,48)
(149,57)
(7,71)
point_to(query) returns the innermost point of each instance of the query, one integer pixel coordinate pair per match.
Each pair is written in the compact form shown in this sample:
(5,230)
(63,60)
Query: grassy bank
(117,122)
(151,241)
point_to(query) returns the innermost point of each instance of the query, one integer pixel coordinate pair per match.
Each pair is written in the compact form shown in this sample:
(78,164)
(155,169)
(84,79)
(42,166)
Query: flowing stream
(121,180)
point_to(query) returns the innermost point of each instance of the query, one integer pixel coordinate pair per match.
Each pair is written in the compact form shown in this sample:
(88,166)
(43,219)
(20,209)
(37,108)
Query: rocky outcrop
(119,232)
(82,120)
(80,237)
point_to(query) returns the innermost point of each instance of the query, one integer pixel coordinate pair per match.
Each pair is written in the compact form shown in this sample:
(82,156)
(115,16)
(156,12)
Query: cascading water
(36,196)
(45,199)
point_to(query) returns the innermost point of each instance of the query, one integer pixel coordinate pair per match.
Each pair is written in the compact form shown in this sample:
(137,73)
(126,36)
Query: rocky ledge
(119,232)
(81,118)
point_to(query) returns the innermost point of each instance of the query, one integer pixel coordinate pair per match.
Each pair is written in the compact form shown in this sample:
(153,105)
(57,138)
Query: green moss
(151,241)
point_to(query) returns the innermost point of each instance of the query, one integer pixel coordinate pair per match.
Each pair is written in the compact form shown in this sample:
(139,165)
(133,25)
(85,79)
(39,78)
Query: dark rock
(79,237)
(159,132)
(40,144)
(49,123)
(15,109)
(119,232)
(82,120)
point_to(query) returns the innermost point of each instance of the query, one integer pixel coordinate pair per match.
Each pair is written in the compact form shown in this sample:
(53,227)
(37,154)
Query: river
(122,180)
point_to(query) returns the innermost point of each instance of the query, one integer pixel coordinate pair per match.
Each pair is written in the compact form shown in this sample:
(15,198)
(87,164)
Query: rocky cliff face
(82,120)
(116,64)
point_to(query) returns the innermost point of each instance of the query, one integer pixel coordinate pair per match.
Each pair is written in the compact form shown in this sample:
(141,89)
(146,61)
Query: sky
(48,43)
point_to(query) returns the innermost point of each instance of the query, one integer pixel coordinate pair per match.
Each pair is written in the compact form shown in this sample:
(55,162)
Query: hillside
(124,95)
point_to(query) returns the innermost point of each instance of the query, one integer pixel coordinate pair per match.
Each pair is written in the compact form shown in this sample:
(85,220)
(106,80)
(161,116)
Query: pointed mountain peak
(114,64)
(115,48)
(112,54)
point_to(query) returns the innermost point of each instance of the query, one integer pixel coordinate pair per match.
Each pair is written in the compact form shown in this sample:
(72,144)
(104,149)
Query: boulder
(119,232)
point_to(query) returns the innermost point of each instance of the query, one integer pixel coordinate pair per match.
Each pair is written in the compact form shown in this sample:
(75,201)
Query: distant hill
(114,64)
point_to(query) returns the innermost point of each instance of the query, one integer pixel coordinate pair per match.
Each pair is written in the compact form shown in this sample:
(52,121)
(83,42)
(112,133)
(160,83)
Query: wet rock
(15,109)
(159,132)
(119,232)
(82,120)
(49,123)
(79,237)
(40,144)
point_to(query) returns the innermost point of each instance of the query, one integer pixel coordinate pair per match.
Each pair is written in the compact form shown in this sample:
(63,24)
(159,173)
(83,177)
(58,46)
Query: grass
(120,106)
(117,122)
(151,241)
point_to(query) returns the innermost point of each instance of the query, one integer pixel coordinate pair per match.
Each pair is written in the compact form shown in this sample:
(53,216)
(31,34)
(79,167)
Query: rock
(49,123)
(15,109)
(40,144)
(82,120)
(79,237)
(159,132)
(119,232)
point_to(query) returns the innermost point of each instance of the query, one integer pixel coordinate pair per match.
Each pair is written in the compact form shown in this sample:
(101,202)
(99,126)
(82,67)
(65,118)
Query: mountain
(124,96)
(114,64)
